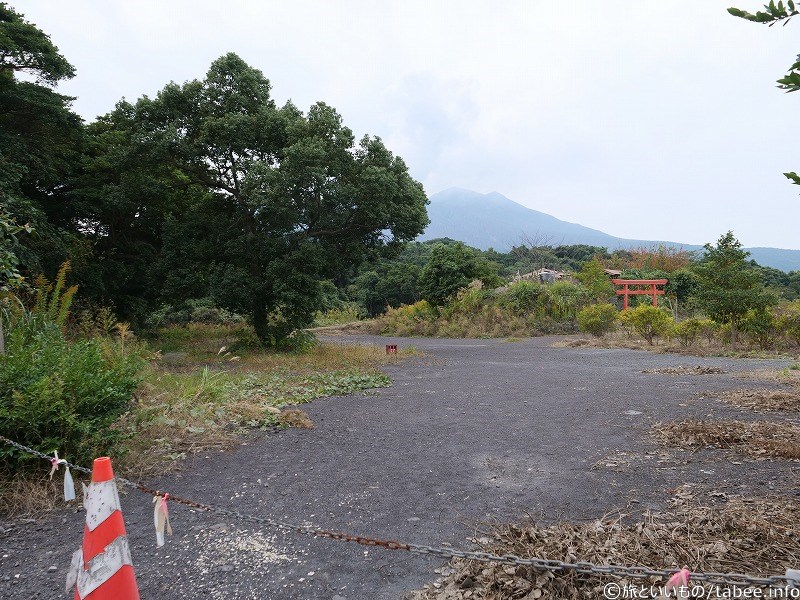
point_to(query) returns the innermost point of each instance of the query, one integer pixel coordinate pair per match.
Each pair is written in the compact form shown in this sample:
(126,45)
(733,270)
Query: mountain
(494,221)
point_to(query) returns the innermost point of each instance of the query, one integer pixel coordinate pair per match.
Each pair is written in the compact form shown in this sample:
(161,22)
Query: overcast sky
(647,120)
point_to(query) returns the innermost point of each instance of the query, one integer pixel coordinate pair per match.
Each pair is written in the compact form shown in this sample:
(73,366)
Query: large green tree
(290,199)
(727,287)
(40,140)
(451,267)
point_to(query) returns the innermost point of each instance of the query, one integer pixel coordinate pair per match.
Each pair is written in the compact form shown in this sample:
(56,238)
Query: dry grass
(702,348)
(788,376)
(761,400)
(754,536)
(681,370)
(294,417)
(761,439)
(32,496)
(193,409)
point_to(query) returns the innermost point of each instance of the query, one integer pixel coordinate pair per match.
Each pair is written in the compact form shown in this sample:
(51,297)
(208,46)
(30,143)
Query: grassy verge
(200,393)
(204,393)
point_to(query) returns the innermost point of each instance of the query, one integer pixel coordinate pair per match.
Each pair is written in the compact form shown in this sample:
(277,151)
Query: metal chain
(587,568)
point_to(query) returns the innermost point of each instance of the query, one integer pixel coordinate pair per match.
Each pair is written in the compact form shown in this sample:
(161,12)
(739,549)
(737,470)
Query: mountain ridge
(495,221)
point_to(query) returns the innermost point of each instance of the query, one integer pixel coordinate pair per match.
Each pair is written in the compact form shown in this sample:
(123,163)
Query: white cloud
(646,120)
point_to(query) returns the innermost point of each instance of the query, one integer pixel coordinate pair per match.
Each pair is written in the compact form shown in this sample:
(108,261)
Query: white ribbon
(161,518)
(69,484)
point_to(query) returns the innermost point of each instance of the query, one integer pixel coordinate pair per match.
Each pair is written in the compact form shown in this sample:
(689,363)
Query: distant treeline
(390,282)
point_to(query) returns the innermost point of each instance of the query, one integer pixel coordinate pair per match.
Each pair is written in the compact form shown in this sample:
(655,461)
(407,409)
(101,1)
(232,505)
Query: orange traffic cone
(102,569)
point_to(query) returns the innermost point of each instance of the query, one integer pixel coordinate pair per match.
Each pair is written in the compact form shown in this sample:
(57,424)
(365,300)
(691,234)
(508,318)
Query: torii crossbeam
(640,287)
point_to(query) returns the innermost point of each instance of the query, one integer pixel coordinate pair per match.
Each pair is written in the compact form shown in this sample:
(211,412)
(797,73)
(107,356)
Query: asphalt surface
(477,430)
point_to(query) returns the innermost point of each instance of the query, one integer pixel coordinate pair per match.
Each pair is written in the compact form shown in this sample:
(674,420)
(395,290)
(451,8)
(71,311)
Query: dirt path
(477,430)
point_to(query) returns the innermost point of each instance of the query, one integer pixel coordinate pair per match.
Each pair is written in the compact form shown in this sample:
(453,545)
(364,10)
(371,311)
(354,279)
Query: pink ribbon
(679,580)
(54,462)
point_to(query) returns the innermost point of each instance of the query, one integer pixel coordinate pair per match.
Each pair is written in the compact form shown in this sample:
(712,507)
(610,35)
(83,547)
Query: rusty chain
(584,568)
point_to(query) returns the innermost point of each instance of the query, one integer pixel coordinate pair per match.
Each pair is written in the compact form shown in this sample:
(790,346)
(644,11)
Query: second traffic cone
(102,569)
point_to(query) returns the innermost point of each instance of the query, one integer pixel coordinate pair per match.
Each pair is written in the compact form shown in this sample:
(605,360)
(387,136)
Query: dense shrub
(348,312)
(689,330)
(522,296)
(648,321)
(789,322)
(410,319)
(198,310)
(761,327)
(62,395)
(597,319)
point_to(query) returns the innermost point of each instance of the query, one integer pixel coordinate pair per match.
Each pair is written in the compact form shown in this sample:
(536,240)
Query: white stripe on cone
(101,567)
(100,500)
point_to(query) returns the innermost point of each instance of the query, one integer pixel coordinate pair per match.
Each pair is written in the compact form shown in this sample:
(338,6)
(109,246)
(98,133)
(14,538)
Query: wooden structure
(639,287)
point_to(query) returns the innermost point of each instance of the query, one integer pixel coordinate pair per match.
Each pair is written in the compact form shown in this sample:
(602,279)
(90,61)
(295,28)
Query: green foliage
(648,321)
(597,319)
(789,321)
(52,300)
(349,312)
(290,198)
(522,296)
(761,326)
(593,276)
(61,395)
(451,268)
(387,283)
(196,310)
(689,330)
(9,275)
(524,308)
(413,319)
(727,288)
(772,13)
(40,139)
(682,284)
(562,300)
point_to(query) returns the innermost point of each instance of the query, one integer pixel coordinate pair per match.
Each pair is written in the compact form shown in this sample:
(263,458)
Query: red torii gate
(640,287)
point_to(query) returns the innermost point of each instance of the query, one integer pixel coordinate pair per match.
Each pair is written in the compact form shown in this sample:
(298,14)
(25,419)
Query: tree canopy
(726,287)
(285,199)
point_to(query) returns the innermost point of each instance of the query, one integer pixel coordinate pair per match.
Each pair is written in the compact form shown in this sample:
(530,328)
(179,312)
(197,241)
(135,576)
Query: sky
(646,120)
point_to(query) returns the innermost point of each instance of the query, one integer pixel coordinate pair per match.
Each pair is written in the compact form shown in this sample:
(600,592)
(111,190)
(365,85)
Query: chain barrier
(584,568)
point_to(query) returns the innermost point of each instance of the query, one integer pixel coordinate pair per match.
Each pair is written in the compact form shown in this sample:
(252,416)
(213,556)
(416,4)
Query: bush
(689,330)
(198,310)
(648,321)
(62,395)
(761,326)
(597,319)
(789,322)
(521,296)
(348,312)
(562,300)
(410,319)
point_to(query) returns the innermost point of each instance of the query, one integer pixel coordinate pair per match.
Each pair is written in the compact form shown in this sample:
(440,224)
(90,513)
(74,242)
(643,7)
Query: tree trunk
(261,323)
(733,335)
(2,337)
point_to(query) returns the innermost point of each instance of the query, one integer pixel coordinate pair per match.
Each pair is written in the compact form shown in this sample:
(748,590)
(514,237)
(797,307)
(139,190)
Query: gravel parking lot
(477,430)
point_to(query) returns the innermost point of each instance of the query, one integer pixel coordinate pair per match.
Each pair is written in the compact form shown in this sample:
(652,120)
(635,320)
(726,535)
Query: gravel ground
(477,430)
